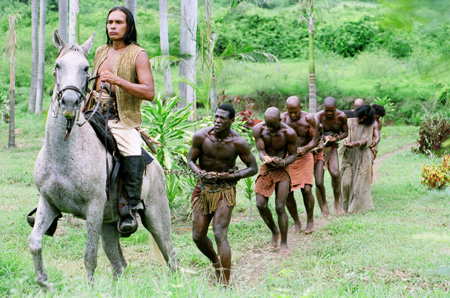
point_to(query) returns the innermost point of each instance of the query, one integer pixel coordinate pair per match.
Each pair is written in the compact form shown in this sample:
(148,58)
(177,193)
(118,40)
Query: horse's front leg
(44,218)
(94,219)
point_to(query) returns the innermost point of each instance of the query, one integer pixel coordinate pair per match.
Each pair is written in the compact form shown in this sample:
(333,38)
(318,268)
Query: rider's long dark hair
(365,110)
(131,33)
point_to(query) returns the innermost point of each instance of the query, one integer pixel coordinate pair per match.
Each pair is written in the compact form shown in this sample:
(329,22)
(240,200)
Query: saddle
(99,124)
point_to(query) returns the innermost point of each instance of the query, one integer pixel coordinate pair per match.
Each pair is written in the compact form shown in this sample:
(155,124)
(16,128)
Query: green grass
(396,250)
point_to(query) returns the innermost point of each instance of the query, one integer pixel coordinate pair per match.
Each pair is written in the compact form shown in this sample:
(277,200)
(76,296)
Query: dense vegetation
(362,50)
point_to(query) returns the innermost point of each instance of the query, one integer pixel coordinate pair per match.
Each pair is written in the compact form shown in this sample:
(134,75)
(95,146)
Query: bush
(437,176)
(434,130)
(349,38)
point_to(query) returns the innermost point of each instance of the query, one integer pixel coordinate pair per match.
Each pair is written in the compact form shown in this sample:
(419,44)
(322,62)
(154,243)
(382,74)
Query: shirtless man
(216,149)
(302,170)
(379,112)
(277,146)
(130,84)
(334,124)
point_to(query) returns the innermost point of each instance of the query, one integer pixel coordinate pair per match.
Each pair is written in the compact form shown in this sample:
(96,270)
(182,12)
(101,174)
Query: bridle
(81,98)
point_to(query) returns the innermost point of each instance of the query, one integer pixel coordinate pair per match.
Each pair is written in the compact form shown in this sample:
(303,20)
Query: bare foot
(338,209)
(309,227)
(297,227)
(325,211)
(274,241)
(283,249)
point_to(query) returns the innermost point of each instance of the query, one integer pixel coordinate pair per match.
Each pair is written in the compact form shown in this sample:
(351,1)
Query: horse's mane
(71,47)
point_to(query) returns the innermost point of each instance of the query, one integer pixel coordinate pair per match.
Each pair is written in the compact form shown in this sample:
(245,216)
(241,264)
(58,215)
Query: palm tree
(164,39)
(188,46)
(34,55)
(131,5)
(74,8)
(210,44)
(63,14)
(11,44)
(307,14)
(41,59)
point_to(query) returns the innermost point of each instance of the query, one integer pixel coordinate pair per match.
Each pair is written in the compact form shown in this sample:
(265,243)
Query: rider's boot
(132,170)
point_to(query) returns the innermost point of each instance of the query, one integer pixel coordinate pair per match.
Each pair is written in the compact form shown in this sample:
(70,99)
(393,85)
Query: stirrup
(133,221)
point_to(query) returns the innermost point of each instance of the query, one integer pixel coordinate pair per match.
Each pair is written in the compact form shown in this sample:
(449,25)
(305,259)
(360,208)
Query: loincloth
(207,199)
(326,154)
(268,178)
(318,156)
(302,171)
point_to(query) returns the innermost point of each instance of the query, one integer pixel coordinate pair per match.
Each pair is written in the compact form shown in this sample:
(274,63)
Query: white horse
(71,175)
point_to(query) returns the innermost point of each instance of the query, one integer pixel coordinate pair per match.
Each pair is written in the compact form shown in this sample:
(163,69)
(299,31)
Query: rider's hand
(109,77)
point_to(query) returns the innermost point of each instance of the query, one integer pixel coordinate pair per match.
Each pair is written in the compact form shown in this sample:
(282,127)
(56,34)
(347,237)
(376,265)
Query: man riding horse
(125,66)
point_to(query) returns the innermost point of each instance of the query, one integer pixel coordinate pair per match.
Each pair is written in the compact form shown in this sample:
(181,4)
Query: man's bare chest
(274,141)
(332,125)
(301,127)
(219,149)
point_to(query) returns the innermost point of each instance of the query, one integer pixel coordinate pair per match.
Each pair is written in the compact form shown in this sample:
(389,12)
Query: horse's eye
(86,68)
(57,66)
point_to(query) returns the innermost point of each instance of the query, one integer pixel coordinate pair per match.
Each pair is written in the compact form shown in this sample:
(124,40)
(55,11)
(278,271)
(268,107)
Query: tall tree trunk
(164,39)
(73,15)
(12,79)
(312,68)
(63,19)
(307,14)
(41,60)
(34,55)
(210,42)
(131,5)
(188,42)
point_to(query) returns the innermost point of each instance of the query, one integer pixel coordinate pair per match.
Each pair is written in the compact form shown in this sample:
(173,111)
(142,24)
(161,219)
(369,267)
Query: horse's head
(71,74)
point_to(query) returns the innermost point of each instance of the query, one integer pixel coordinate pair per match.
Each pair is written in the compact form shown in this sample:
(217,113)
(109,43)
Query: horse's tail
(156,252)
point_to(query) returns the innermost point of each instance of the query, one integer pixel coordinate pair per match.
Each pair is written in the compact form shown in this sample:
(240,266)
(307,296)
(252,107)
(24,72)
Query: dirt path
(251,266)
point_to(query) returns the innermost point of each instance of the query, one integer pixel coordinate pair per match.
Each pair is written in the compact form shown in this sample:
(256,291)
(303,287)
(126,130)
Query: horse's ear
(88,44)
(58,41)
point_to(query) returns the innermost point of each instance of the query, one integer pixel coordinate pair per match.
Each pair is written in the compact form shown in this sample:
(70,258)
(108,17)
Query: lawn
(397,250)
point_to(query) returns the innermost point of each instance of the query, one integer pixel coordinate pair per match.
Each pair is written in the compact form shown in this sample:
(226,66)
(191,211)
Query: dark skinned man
(302,170)
(334,125)
(216,150)
(277,146)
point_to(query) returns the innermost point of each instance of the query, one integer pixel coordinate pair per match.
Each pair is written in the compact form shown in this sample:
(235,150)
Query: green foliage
(262,31)
(387,103)
(4,108)
(434,131)
(170,128)
(437,176)
(443,98)
(348,38)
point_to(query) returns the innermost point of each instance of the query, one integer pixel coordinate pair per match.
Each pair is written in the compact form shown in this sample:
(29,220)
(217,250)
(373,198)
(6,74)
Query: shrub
(348,38)
(434,130)
(437,176)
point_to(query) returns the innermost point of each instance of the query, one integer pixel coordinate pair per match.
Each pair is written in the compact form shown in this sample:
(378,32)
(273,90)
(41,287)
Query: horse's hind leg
(44,218)
(94,219)
(156,219)
(111,246)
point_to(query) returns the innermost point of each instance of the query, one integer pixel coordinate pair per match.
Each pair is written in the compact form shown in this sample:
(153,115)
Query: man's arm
(144,89)
(194,152)
(312,132)
(291,139)
(376,134)
(344,127)
(257,130)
